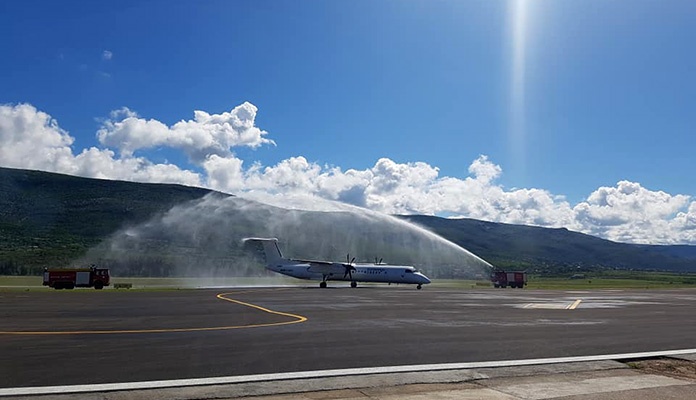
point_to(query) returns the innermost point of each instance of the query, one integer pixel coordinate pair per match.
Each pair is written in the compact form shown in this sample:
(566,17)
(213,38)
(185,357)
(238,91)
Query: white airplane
(337,271)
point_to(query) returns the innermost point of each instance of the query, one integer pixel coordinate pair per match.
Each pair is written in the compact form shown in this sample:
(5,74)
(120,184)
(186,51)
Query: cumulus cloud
(205,135)
(107,55)
(224,173)
(626,212)
(484,170)
(685,224)
(634,213)
(31,139)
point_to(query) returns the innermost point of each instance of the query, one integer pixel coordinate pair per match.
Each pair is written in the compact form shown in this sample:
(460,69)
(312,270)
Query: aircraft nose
(423,279)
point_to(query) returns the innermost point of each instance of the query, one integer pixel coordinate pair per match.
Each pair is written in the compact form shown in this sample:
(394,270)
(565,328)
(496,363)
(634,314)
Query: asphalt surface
(345,328)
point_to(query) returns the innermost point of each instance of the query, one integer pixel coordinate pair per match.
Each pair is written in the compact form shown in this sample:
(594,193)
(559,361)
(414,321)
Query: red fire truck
(70,278)
(515,279)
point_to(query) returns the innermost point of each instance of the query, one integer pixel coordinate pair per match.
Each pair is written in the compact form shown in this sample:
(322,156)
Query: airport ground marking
(298,318)
(284,376)
(575,305)
(222,296)
(553,305)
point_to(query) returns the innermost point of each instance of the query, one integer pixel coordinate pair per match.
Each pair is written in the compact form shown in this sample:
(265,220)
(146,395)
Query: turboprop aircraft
(337,271)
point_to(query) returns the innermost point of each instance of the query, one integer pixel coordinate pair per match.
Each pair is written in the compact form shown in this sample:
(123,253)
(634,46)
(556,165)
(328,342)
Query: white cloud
(626,212)
(205,135)
(31,139)
(224,173)
(685,224)
(96,163)
(632,212)
(485,170)
(107,55)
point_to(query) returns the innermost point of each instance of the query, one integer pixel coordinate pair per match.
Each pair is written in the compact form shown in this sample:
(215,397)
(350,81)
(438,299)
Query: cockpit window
(408,271)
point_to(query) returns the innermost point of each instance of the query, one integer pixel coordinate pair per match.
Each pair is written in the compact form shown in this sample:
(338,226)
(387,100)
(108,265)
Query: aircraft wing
(326,268)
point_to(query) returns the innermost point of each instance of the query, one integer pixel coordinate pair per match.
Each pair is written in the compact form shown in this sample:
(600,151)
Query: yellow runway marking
(575,305)
(222,296)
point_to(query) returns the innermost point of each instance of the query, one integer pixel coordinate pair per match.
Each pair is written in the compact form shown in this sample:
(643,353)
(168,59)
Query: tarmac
(92,338)
(596,380)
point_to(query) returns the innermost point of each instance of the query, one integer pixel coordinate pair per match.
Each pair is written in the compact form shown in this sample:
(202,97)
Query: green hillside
(50,219)
(547,250)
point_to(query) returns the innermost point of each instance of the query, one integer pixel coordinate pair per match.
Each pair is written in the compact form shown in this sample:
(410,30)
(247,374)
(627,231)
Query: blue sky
(609,94)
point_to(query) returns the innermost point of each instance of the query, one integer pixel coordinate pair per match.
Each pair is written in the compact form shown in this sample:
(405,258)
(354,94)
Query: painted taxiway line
(222,296)
(225,380)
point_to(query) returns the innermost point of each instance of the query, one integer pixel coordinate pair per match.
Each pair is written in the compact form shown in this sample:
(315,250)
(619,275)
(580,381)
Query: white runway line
(575,305)
(108,387)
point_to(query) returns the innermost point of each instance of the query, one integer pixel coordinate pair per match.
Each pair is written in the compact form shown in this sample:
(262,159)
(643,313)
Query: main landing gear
(353,284)
(419,287)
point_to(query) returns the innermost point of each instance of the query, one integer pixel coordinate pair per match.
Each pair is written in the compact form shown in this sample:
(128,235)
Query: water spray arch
(203,238)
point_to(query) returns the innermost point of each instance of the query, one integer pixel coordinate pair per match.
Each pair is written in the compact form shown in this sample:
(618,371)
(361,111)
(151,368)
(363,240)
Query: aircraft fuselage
(337,271)
(362,272)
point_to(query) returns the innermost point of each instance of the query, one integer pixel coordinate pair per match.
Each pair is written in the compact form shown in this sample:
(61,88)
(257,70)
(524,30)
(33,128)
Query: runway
(87,336)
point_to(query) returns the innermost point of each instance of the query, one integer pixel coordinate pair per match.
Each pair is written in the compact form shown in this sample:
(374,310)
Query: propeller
(349,267)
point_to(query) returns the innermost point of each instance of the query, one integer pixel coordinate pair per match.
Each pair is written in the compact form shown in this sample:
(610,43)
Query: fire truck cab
(70,278)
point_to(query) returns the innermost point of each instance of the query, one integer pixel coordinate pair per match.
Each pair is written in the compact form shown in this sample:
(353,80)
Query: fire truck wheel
(98,285)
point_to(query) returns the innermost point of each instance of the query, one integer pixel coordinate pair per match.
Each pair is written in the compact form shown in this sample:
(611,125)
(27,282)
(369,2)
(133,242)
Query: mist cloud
(204,238)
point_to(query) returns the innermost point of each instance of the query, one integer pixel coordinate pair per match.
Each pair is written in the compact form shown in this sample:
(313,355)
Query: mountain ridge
(545,249)
(48,219)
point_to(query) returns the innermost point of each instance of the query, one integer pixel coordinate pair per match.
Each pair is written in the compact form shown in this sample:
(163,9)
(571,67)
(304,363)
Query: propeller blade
(349,271)
(349,267)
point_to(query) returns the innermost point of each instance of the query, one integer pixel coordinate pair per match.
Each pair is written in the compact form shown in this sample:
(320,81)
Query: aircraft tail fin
(271,250)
